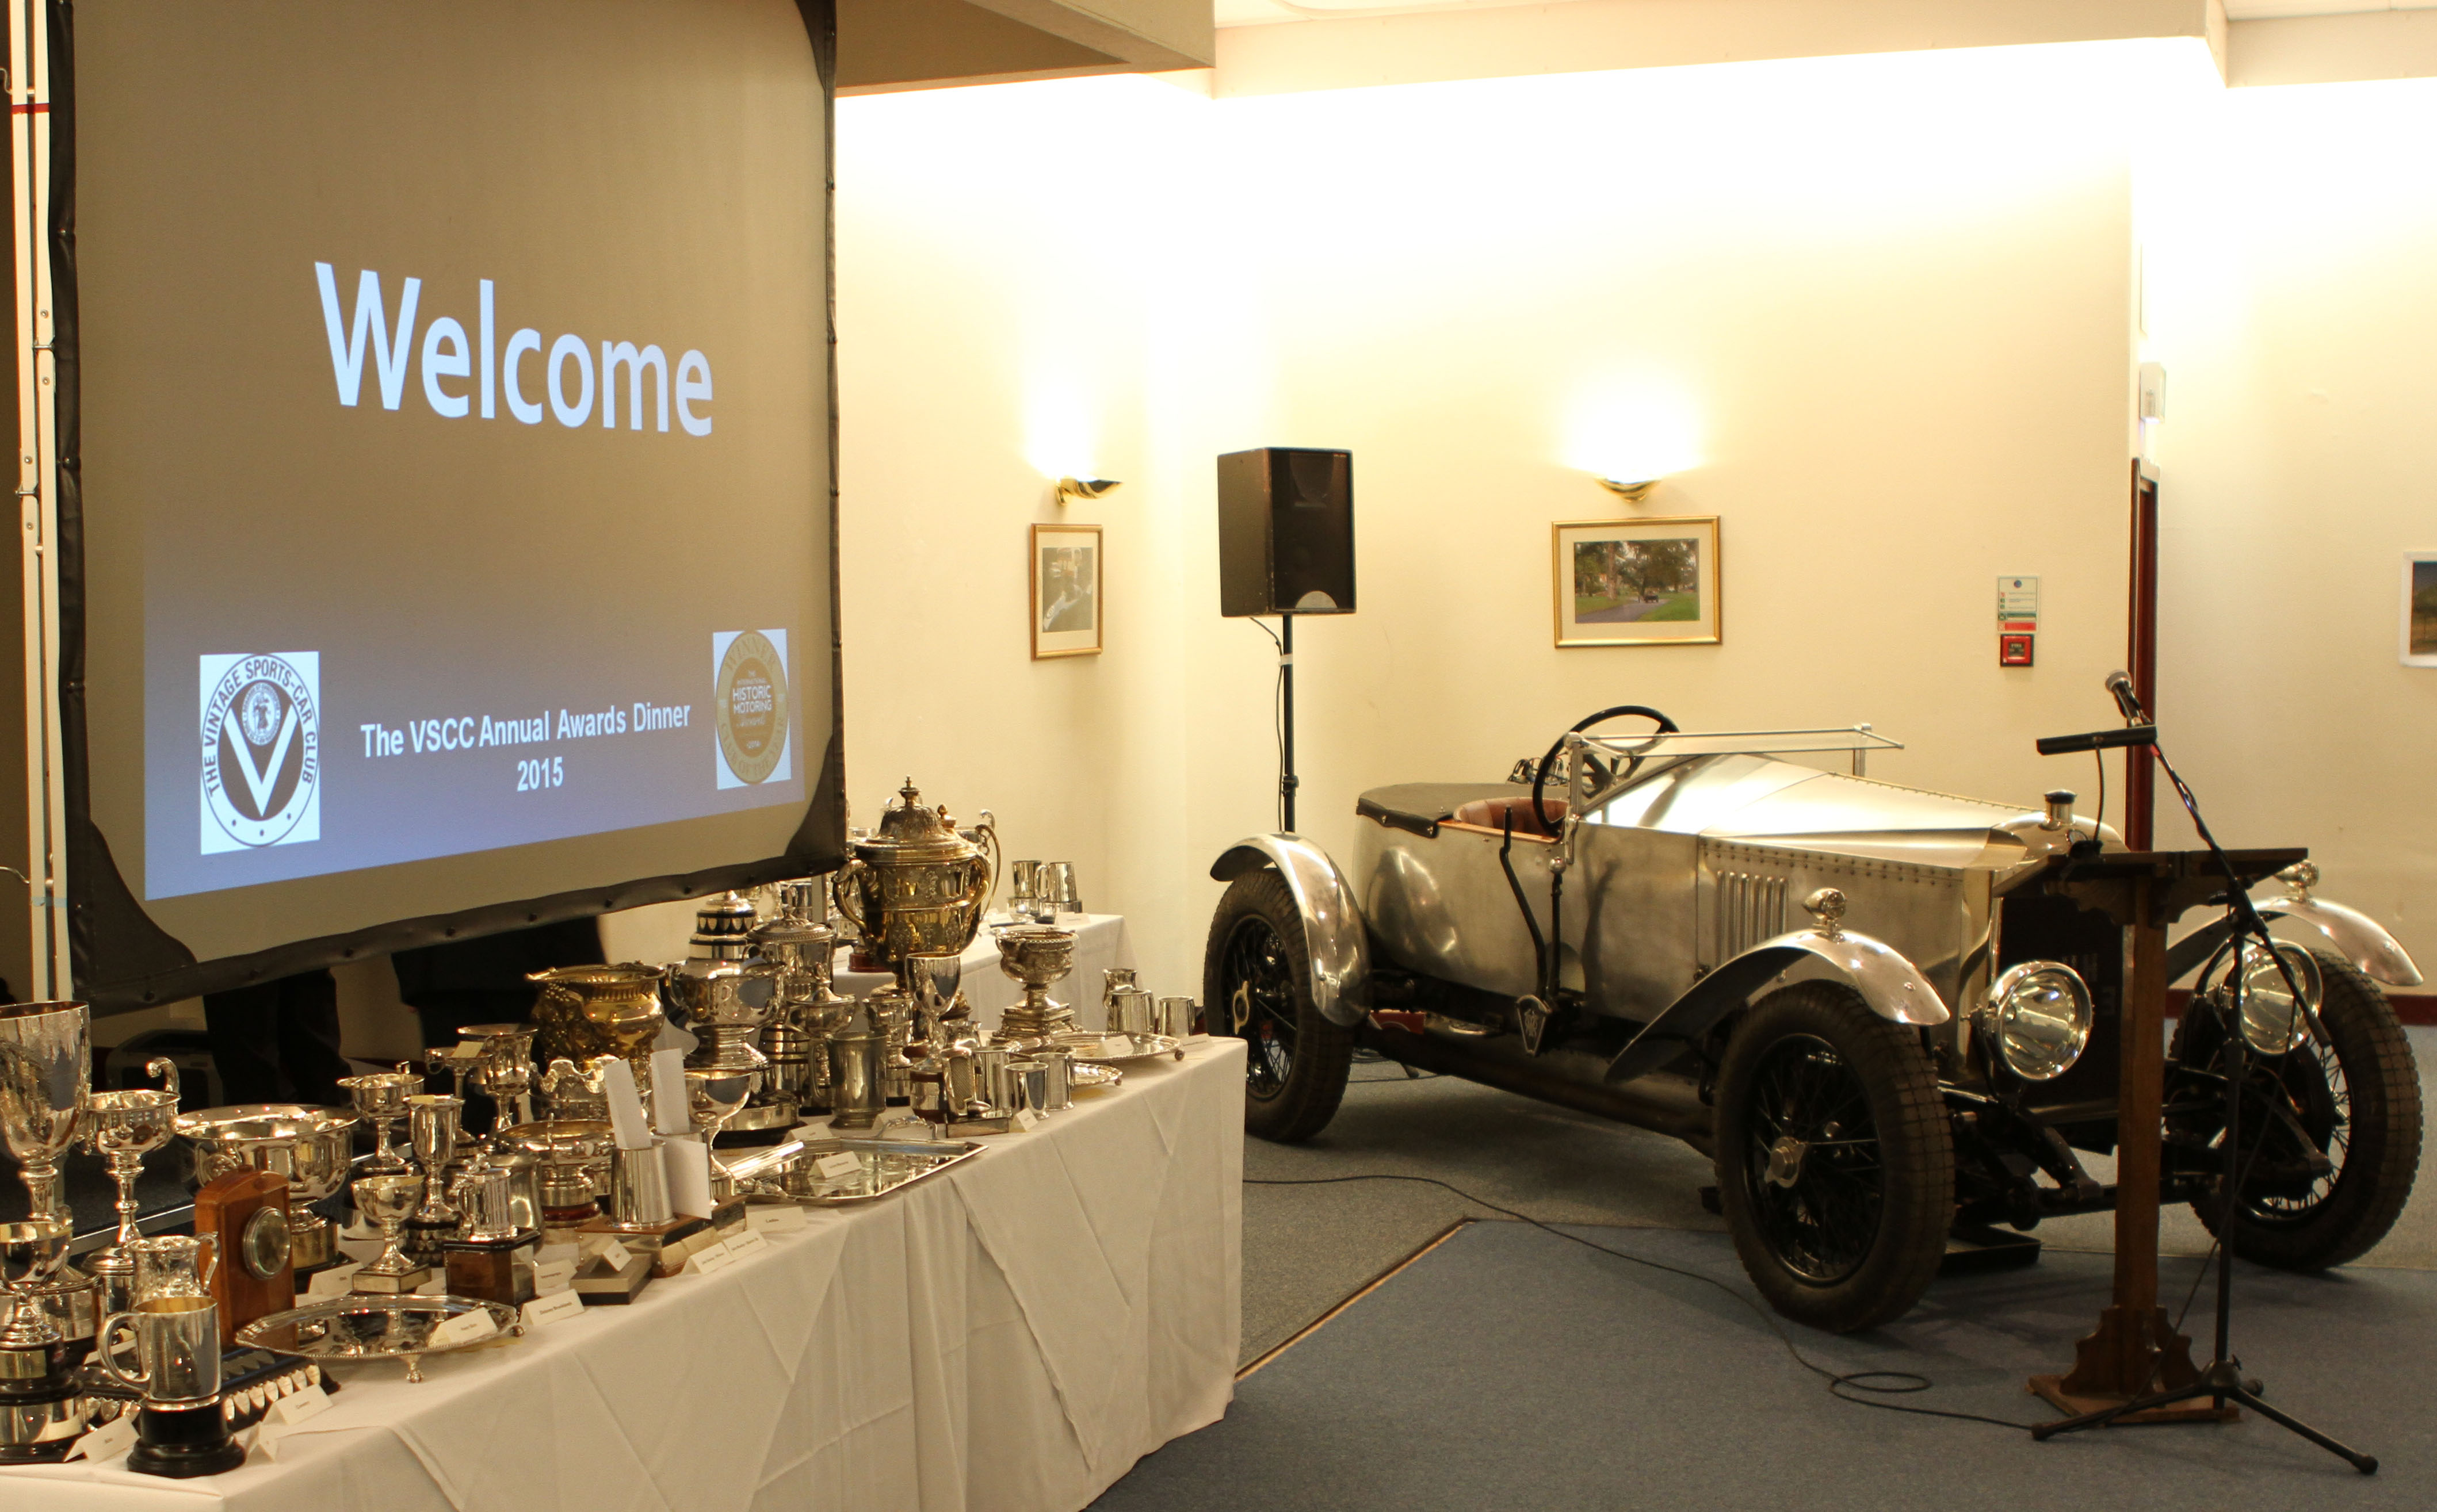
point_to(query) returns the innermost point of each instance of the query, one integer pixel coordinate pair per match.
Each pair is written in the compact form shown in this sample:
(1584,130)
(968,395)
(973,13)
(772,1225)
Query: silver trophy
(381,1102)
(45,1080)
(802,943)
(1036,955)
(123,1128)
(40,1411)
(313,1147)
(503,1069)
(727,992)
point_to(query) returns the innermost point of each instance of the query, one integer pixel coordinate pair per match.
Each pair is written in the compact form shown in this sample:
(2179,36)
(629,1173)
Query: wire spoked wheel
(1256,982)
(2355,1100)
(1260,1003)
(1810,1160)
(1835,1165)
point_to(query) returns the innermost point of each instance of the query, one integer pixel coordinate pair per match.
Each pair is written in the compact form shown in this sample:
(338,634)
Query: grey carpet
(1308,1248)
(1510,1368)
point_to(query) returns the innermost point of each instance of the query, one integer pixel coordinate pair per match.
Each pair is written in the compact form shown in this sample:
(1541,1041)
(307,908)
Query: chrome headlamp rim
(2057,1045)
(2267,1020)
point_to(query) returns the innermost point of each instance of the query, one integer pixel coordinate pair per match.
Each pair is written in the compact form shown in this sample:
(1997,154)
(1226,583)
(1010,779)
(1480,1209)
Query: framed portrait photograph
(1638,583)
(2420,609)
(1066,599)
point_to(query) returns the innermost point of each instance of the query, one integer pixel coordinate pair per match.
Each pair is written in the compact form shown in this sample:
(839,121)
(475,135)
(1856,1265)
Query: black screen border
(121,960)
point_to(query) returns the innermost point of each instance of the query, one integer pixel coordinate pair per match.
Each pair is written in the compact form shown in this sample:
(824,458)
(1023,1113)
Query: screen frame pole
(29,145)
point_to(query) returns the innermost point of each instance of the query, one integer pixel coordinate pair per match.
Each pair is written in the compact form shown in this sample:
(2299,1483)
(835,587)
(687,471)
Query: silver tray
(1091,1046)
(365,1327)
(1092,1076)
(889,1166)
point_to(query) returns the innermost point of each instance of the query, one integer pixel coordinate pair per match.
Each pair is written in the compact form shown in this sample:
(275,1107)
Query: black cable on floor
(1874,1382)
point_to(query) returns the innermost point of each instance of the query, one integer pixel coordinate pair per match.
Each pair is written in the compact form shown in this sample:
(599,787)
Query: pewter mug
(639,1189)
(994,1084)
(858,1076)
(1057,1080)
(177,1344)
(1132,1010)
(1174,1018)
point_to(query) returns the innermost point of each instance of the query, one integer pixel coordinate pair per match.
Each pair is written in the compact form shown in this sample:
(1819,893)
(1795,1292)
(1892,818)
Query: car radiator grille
(1751,908)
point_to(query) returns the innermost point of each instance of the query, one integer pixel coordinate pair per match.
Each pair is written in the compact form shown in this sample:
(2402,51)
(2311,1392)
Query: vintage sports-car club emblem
(750,704)
(261,750)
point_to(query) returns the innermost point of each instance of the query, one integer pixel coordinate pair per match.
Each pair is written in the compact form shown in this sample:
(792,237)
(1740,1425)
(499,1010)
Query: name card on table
(552,1275)
(774,1218)
(337,1281)
(613,1256)
(556,1308)
(465,1327)
(745,1243)
(437,1286)
(711,1259)
(1026,1120)
(299,1406)
(839,1166)
(108,1441)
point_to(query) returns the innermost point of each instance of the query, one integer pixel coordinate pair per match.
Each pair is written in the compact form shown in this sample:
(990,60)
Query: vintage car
(1922,1058)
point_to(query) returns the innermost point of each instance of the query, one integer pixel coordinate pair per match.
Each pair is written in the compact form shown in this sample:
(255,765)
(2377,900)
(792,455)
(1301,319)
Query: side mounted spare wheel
(1835,1165)
(1257,985)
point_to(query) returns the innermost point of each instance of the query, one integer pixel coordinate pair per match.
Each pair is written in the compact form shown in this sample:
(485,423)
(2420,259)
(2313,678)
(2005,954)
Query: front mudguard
(1893,987)
(1335,939)
(2354,935)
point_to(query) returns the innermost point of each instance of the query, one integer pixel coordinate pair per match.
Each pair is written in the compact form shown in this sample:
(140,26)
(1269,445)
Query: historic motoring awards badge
(262,750)
(749,706)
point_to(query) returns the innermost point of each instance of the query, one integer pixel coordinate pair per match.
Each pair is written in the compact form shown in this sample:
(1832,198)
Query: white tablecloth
(1100,942)
(1012,1335)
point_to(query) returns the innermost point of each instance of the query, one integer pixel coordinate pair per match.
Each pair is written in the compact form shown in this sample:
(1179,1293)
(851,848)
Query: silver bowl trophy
(1037,955)
(727,992)
(503,1069)
(313,1147)
(389,1200)
(123,1128)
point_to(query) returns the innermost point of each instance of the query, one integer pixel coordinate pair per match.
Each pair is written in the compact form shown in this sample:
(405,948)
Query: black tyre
(1835,1165)
(1256,984)
(2358,1099)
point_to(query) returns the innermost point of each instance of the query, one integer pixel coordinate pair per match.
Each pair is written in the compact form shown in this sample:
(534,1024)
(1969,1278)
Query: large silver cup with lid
(917,886)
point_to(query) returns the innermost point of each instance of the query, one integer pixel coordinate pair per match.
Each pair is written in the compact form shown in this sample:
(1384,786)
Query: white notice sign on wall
(2018,603)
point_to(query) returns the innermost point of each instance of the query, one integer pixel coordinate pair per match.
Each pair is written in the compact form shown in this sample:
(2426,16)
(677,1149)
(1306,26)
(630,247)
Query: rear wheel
(1257,985)
(2357,1101)
(1835,1165)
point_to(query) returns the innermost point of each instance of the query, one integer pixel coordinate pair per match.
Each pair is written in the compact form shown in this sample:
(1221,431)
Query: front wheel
(1835,1167)
(1257,985)
(2356,1099)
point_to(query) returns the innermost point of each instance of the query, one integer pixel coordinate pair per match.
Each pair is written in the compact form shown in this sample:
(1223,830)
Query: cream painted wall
(1888,297)
(2290,233)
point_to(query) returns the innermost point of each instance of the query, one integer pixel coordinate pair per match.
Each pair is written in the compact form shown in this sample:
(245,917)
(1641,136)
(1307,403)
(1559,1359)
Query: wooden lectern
(2135,1351)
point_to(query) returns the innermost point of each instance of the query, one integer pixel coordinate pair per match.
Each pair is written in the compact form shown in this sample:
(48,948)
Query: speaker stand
(1286,723)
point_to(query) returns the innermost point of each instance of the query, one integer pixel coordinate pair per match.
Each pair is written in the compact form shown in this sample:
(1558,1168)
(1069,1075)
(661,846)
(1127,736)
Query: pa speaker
(1286,531)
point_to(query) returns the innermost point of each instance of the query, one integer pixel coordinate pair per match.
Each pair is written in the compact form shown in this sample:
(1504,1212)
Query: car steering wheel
(1540,772)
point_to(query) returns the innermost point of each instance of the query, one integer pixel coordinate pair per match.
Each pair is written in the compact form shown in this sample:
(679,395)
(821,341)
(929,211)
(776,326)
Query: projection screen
(445,500)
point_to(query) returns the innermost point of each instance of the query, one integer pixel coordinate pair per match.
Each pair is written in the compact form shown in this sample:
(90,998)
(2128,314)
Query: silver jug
(483,1193)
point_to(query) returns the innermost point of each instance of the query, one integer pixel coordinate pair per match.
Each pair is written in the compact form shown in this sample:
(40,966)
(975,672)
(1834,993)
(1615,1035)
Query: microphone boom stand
(2221,1380)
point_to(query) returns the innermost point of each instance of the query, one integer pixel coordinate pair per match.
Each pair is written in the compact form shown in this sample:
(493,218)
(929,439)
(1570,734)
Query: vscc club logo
(262,750)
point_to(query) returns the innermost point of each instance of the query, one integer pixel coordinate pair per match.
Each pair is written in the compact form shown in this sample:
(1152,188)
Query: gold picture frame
(1636,583)
(1067,568)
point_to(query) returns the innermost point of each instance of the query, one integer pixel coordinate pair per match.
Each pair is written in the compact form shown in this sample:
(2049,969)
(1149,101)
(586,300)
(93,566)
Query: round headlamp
(2039,1014)
(2273,1022)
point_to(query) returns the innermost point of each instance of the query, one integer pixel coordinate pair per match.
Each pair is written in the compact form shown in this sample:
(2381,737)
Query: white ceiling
(2265,10)
(1257,12)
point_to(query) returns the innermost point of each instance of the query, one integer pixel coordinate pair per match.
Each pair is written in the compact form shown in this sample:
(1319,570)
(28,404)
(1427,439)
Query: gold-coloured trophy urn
(589,1011)
(917,886)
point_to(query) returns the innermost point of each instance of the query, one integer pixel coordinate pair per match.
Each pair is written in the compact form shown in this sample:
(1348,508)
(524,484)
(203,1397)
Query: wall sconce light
(1070,488)
(1632,492)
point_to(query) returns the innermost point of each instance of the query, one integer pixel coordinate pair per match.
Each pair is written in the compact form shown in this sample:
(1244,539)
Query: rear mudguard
(1335,938)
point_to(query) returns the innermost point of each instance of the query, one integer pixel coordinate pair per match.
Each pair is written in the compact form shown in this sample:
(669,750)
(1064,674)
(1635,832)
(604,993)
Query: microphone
(2126,703)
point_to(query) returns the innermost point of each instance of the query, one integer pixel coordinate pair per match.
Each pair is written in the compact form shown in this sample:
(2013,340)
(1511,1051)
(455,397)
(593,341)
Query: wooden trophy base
(2129,1357)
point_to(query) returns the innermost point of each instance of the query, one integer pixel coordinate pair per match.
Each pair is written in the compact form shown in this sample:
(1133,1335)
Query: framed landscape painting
(1638,583)
(1066,601)
(2420,609)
